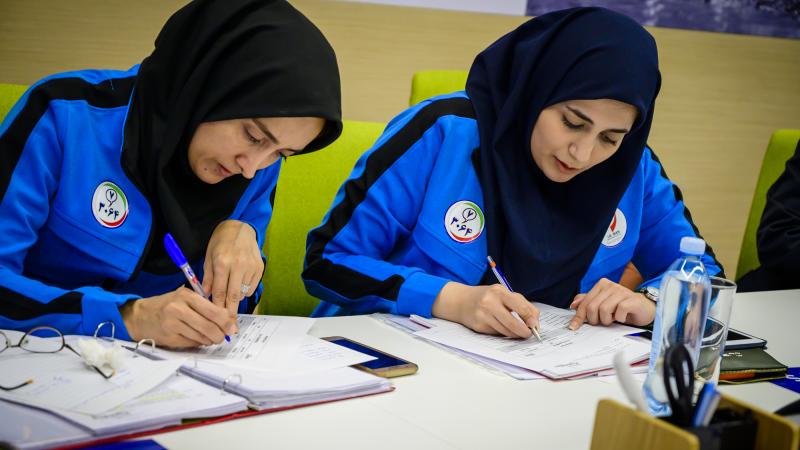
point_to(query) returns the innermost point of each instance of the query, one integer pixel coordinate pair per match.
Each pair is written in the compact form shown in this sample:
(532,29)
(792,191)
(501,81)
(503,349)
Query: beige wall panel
(722,94)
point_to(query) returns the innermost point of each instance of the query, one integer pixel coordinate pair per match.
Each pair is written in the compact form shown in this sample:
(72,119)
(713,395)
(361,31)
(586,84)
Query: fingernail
(572,326)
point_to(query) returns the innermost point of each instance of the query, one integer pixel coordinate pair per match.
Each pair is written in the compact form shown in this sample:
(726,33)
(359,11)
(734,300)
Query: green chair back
(9,94)
(781,147)
(306,188)
(430,83)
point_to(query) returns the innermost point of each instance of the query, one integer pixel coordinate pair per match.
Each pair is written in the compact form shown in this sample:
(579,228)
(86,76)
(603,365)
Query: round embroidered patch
(464,221)
(616,231)
(109,205)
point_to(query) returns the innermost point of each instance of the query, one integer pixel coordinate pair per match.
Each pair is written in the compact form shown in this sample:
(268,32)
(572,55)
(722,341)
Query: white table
(453,403)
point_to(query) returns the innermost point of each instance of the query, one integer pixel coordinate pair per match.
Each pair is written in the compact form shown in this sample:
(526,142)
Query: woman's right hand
(486,309)
(178,319)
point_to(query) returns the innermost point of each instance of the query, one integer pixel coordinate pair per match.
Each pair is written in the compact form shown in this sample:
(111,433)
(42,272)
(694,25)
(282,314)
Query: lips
(564,167)
(223,172)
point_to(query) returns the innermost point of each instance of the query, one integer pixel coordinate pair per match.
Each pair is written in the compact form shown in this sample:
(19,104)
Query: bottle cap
(692,245)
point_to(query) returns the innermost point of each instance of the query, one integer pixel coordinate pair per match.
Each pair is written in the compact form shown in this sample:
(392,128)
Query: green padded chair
(9,94)
(430,83)
(305,191)
(781,147)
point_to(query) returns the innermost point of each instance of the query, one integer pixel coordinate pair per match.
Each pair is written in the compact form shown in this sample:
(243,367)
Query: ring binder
(227,379)
(143,341)
(100,327)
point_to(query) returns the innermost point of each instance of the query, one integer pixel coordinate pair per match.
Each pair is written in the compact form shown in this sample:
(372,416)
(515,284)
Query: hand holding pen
(502,279)
(179,259)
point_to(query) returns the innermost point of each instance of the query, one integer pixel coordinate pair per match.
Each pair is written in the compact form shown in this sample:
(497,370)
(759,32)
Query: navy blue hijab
(545,234)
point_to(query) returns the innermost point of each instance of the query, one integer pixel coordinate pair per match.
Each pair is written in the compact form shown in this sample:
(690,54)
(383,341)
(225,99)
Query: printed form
(262,342)
(562,352)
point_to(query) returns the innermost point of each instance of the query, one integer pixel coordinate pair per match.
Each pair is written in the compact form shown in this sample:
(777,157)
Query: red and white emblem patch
(616,231)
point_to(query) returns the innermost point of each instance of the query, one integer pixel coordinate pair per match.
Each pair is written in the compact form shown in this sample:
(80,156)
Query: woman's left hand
(233,264)
(608,302)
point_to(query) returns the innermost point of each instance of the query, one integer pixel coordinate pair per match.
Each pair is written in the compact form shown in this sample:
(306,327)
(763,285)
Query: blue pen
(176,254)
(706,404)
(502,279)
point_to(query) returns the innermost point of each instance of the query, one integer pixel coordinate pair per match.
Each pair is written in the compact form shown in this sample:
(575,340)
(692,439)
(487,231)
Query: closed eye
(607,139)
(249,136)
(570,125)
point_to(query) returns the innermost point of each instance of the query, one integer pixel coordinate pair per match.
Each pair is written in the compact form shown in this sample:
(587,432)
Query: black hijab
(220,60)
(545,234)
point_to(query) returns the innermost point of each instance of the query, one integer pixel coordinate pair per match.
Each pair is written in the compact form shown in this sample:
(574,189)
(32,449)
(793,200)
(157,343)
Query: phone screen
(735,340)
(733,335)
(383,360)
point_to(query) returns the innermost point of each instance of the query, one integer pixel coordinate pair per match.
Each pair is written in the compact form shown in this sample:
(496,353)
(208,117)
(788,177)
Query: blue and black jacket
(408,220)
(74,227)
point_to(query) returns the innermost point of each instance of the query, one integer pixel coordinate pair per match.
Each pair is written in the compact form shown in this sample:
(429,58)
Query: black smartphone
(386,365)
(736,340)
(739,339)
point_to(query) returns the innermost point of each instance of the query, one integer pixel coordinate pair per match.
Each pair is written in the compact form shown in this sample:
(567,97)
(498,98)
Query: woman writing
(98,165)
(541,164)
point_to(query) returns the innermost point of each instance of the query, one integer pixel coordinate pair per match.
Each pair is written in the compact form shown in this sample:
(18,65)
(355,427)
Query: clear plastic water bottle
(681,314)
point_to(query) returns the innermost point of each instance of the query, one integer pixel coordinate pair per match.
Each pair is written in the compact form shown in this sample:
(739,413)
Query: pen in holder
(728,430)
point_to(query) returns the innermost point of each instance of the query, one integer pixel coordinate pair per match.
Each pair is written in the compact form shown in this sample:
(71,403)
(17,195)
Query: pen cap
(173,250)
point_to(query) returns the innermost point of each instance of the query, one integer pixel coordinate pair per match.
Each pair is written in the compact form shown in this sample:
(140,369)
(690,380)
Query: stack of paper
(562,353)
(271,363)
(410,326)
(268,390)
(178,398)
(62,381)
(314,371)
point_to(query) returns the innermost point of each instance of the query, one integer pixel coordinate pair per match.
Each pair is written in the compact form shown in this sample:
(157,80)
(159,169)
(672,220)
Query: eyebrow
(261,126)
(586,118)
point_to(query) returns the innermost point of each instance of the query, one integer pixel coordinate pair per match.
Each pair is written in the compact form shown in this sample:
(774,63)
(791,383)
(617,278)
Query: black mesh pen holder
(728,430)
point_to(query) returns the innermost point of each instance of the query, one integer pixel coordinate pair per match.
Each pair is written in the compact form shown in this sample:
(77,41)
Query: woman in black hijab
(542,164)
(189,143)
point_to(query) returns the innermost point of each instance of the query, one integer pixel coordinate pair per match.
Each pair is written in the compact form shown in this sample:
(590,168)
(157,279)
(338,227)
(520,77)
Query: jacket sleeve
(30,161)
(374,210)
(665,220)
(778,235)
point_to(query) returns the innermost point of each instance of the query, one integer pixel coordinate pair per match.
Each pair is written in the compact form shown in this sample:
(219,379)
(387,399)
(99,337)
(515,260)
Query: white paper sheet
(412,324)
(63,381)
(263,342)
(280,389)
(180,397)
(561,353)
(315,355)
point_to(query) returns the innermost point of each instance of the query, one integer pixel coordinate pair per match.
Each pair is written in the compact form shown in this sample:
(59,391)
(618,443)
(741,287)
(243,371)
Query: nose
(251,162)
(581,150)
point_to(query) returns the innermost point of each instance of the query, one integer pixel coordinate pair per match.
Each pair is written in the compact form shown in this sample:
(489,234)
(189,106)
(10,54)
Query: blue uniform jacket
(409,219)
(73,226)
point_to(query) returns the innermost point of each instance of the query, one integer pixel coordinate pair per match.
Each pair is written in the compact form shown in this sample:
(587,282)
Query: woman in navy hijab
(542,164)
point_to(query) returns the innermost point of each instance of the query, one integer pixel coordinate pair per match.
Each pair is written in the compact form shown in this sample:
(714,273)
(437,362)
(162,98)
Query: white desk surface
(454,403)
